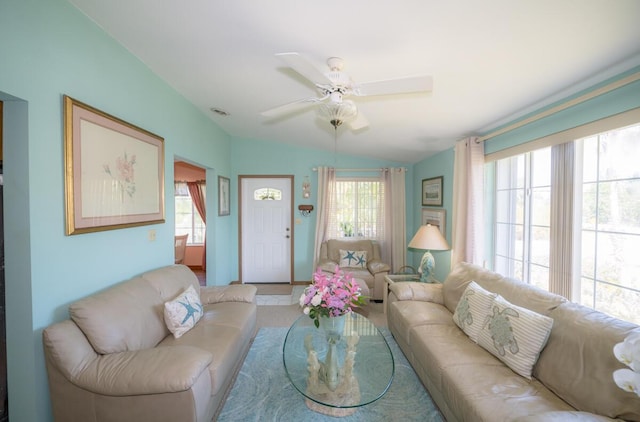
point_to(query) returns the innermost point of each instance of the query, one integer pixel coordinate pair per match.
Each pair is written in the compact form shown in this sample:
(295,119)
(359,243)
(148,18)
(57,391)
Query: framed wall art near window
(432,192)
(435,217)
(114,171)
(223,196)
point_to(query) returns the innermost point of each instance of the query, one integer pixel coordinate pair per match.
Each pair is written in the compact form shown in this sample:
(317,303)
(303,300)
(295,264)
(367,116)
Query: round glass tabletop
(339,369)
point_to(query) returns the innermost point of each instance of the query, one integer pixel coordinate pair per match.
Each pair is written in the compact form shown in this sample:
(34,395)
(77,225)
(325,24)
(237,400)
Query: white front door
(266,230)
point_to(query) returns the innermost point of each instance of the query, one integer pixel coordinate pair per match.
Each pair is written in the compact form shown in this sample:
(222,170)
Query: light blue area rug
(262,391)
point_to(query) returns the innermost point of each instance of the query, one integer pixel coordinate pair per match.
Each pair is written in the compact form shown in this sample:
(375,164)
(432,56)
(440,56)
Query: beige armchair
(372,270)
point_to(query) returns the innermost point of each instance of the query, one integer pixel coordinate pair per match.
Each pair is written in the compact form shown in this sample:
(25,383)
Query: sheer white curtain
(394,249)
(468,194)
(561,223)
(326,197)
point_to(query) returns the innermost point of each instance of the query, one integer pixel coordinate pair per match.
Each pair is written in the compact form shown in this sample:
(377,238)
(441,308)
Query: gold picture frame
(114,171)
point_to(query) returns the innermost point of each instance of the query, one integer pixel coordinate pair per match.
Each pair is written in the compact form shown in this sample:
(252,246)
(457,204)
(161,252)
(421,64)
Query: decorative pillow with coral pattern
(182,313)
(473,308)
(353,259)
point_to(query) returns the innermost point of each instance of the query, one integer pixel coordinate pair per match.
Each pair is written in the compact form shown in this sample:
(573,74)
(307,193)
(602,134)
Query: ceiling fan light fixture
(337,113)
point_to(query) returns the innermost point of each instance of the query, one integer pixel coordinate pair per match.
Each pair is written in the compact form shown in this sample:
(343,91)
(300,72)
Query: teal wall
(48,49)
(252,157)
(438,165)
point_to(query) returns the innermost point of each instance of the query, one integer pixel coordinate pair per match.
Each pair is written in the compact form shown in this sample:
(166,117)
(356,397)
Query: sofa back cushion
(514,291)
(172,281)
(578,362)
(127,316)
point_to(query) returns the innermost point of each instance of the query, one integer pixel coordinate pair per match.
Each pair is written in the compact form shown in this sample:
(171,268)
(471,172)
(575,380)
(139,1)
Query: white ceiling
(491,61)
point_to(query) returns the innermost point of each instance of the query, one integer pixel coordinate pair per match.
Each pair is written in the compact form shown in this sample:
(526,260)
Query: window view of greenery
(188,220)
(608,193)
(359,208)
(611,223)
(522,217)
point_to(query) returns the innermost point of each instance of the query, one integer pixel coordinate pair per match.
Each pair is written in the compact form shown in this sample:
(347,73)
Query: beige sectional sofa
(115,359)
(372,272)
(571,379)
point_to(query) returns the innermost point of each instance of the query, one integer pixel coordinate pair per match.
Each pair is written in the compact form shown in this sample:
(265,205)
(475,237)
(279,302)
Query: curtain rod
(354,170)
(595,93)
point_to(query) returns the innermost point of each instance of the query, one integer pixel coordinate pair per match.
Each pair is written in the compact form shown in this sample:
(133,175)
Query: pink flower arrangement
(330,295)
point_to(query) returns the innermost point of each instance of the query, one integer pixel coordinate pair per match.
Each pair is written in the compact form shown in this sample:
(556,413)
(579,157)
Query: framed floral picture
(114,171)
(223,196)
(432,192)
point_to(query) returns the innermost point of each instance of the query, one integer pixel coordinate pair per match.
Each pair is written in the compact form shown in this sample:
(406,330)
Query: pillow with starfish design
(182,313)
(353,259)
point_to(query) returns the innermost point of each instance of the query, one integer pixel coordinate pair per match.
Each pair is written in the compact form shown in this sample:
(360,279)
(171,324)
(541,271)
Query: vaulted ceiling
(491,61)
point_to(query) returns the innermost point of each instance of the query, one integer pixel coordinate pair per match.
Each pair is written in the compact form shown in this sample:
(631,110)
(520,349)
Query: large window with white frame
(358,211)
(607,198)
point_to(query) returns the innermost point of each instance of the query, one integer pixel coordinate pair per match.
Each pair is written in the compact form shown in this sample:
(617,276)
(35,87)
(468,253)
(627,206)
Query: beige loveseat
(572,378)
(373,271)
(115,359)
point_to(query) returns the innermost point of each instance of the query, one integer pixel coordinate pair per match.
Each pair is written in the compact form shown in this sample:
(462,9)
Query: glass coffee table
(341,370)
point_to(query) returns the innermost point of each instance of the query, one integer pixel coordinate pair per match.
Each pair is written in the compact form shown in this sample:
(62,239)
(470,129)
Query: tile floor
(266,300)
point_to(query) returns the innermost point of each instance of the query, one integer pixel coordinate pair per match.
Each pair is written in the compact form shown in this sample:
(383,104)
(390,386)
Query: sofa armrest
(413,290)
(149,371)
(376,266)
(230,293)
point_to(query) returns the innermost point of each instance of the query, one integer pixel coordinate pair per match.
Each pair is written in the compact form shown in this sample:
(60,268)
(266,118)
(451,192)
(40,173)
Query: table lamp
(428,238)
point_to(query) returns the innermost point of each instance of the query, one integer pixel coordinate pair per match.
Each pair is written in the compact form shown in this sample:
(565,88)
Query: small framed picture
(223,196)
(432,192)
(435,217)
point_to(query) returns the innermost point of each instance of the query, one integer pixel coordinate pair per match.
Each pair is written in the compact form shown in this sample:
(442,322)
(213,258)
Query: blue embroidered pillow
(353,259)
(182,313)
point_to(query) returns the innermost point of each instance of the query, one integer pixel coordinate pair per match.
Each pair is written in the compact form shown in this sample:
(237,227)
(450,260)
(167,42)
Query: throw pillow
(353,259)
(515,335)
(182,313)
(472,309)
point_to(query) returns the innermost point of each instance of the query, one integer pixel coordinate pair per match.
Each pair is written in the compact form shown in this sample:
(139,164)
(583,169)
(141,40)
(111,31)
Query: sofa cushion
(172,280)
(515,291)
(578,362)
(515,335)
(353,259)
(472,310)
(127,316)
(225,330)
(182,313)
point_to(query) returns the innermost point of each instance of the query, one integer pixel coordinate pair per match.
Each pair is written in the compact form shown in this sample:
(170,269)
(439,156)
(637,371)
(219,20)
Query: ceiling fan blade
(410,84)
(290,107)
(304,67)
(359,122)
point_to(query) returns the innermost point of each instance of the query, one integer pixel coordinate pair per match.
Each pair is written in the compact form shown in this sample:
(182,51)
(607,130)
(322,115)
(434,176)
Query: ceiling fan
(335,85)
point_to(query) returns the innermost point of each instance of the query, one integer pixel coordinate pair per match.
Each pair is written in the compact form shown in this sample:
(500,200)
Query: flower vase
(333,327)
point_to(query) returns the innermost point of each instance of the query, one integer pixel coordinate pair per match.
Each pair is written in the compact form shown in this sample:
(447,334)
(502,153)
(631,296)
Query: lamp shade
(429,237)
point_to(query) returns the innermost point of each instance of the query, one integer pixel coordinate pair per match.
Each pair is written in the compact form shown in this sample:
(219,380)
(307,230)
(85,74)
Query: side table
(396,278)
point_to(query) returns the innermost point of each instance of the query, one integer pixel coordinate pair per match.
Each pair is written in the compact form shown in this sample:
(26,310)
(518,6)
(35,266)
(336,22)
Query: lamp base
(427,265)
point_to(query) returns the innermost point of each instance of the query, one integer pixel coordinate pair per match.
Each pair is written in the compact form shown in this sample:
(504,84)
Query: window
(610,268)
(188,221)
(607,195)
(522,217)
(359,209)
